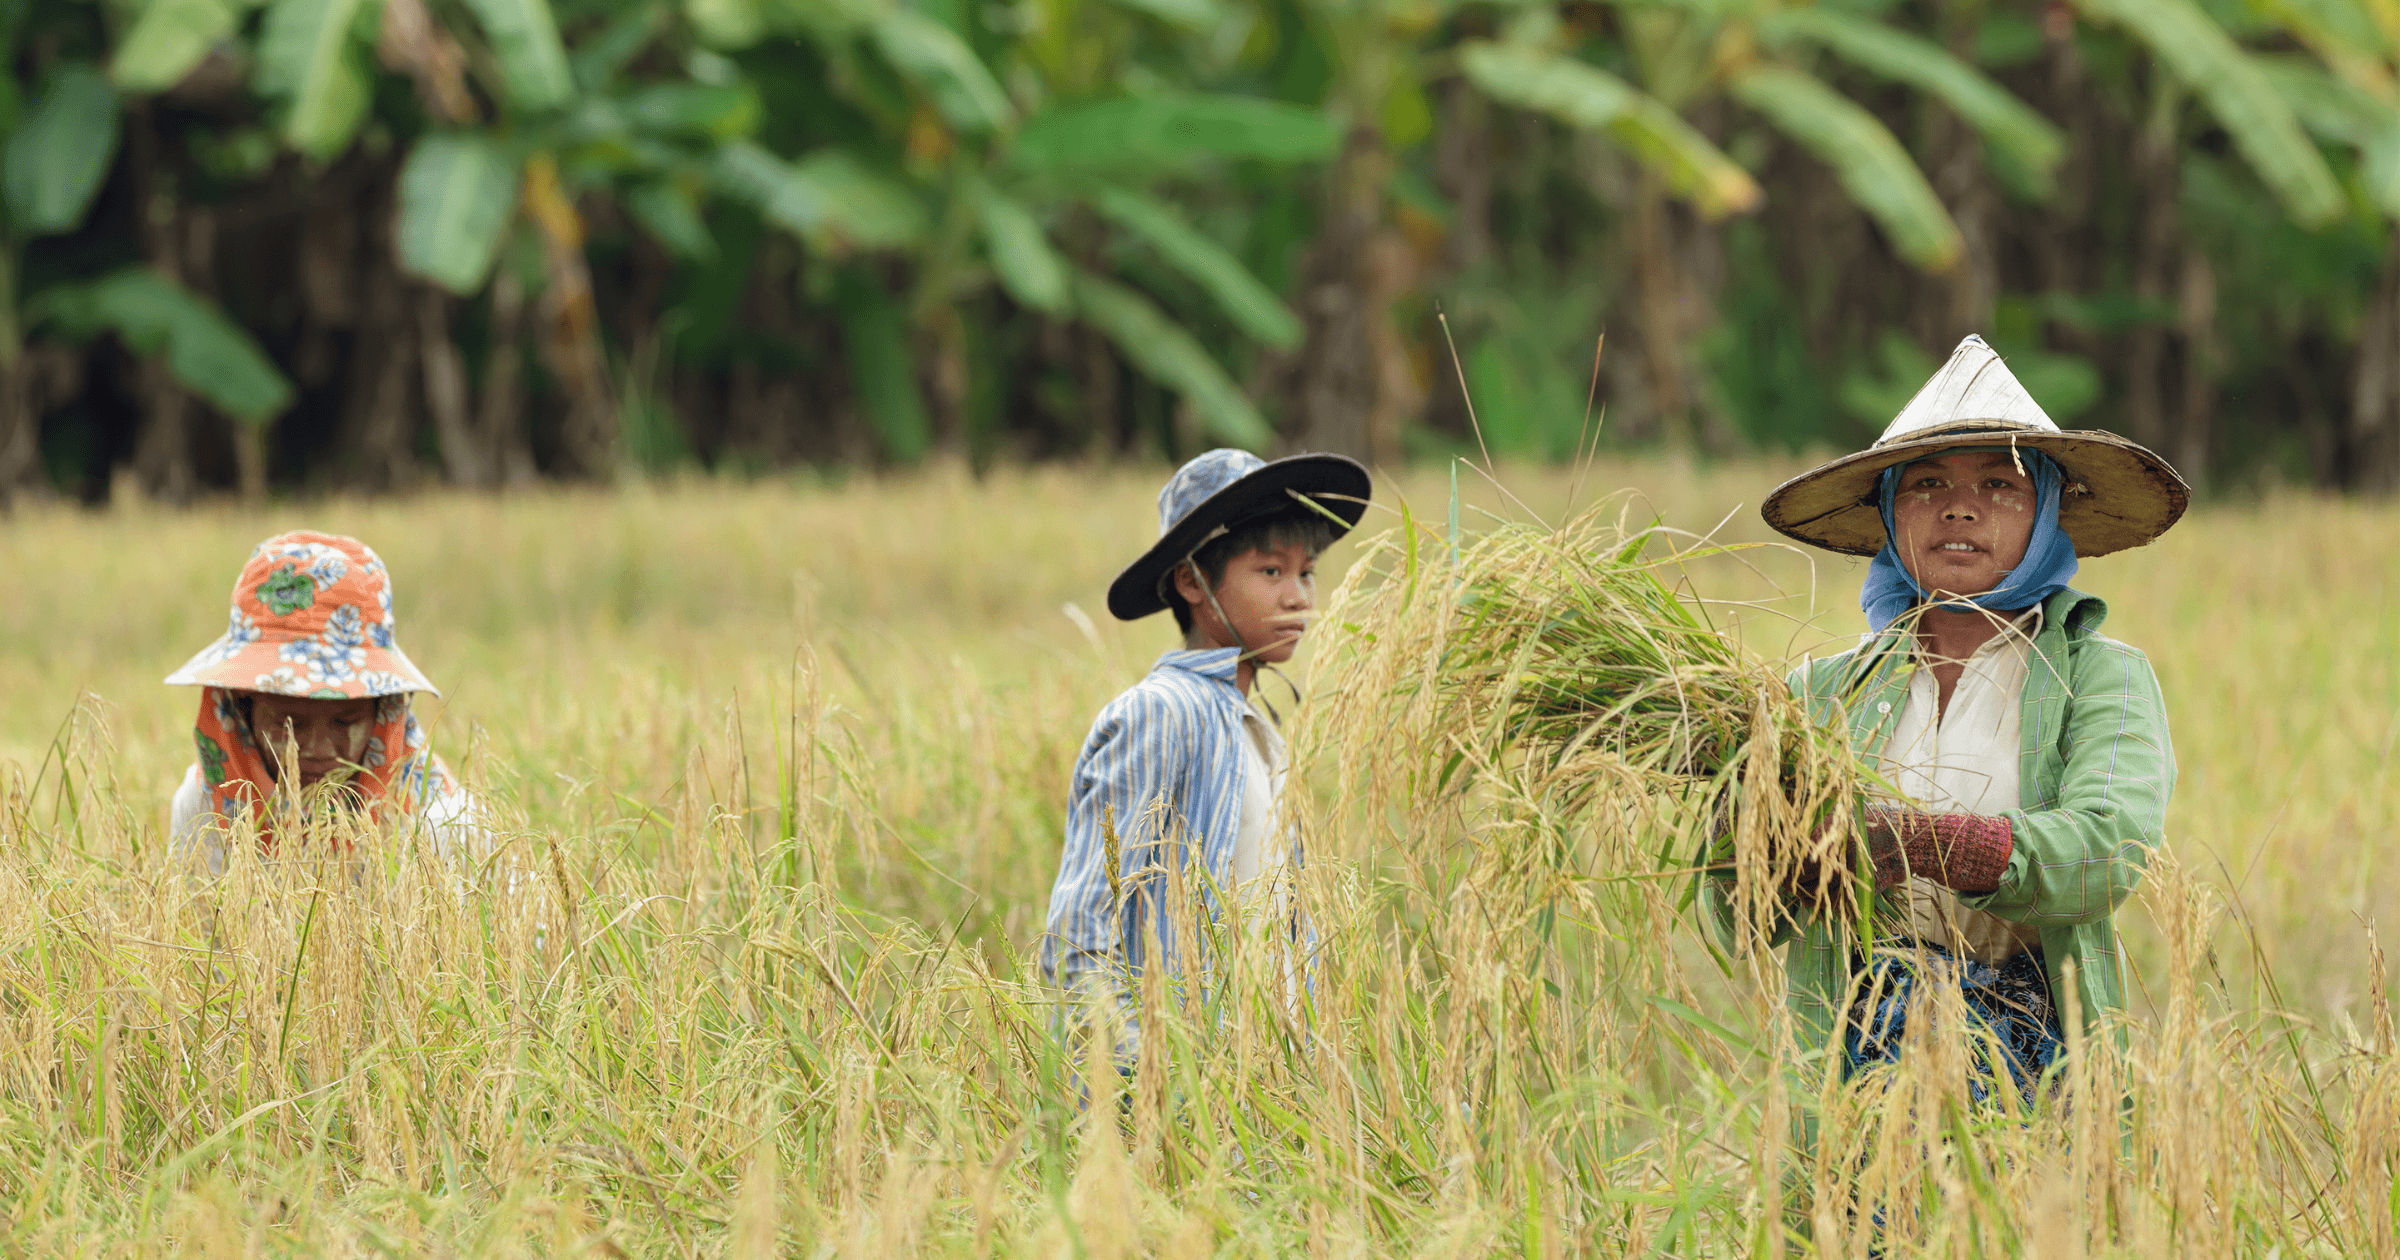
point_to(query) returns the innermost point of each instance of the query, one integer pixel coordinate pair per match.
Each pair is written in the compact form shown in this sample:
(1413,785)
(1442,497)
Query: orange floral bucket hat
(312,617)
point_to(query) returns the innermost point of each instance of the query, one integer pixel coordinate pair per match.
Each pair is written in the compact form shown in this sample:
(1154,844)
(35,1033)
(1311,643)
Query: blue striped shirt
(1162,769)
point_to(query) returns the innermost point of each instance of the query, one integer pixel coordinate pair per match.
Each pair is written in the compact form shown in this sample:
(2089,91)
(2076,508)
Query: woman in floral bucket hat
(306,688)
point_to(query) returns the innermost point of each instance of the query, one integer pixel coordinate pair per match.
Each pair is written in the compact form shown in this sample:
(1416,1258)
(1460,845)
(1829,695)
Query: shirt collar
(2075,611)
(2015,634)
(2018,629)
(1217,663)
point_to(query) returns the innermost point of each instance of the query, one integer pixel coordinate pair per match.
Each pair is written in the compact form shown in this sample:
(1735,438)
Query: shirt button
(1885,707)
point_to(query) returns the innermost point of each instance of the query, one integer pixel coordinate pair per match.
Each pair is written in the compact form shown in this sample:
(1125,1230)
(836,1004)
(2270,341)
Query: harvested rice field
(776,772)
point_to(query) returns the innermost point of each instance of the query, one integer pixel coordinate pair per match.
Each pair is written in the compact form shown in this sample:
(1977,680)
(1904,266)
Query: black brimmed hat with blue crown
(1221,492)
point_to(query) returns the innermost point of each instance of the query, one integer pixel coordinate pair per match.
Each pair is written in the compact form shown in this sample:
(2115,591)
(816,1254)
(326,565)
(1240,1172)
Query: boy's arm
(1121,780)
(2076,861)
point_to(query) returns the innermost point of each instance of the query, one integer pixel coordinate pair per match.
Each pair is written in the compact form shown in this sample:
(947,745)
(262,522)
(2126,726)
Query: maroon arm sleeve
(1963,852)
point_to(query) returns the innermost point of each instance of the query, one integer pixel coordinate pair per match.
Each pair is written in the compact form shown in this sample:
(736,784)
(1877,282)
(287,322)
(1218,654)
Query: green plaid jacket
(2096,770)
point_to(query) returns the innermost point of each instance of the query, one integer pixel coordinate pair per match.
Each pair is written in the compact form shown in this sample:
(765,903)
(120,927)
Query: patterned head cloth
(312,617)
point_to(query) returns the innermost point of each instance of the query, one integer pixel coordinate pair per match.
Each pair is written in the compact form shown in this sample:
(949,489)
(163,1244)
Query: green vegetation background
(371,244)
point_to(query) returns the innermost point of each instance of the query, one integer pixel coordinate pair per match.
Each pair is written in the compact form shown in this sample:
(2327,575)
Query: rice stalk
(1507,1046)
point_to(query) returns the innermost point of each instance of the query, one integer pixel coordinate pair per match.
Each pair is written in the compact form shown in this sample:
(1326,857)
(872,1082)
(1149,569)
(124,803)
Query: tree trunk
(2196,318)
(324,262)
(33,379)
(30,377)
(1963,180)
(1084,355)
(2374,431)
(20,450)
(2059,246)
(1659,310)
(570,327)
(162,453)
(1348,384)
(1392,270)
(1462,170)
(1101,406)
(327,257)
(463,458)
(381,406)
(943,376)
(763,412)
(1960,178)
(21,408)
(250,462)
(500,408)
(247,440)
(162,449)
(2156,246)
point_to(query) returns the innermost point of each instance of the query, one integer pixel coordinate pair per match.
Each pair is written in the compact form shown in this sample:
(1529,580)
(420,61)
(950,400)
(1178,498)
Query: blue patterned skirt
(2009,1005)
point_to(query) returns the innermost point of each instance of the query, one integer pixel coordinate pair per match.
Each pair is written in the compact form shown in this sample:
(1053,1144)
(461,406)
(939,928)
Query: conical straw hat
(2117,494)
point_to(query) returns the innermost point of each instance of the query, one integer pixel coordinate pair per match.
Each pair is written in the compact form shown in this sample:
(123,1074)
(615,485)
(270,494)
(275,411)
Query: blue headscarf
(2049,554)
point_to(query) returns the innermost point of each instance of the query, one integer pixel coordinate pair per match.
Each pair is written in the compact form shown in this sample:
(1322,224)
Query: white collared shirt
(1257,849)
(1964,760)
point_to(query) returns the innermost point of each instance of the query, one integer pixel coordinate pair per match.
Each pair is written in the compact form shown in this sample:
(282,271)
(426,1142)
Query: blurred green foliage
(374,242)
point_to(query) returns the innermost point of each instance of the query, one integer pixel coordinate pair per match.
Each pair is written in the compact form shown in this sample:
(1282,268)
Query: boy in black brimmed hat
(1180,774)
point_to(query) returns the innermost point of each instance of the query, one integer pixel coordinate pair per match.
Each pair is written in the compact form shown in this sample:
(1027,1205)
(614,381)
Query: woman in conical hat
(2032,749)
(305,697)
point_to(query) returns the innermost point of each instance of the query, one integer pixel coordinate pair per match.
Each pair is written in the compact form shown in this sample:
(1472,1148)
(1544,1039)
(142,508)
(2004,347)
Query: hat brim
(2118,494)
(258,664)
(1336,483)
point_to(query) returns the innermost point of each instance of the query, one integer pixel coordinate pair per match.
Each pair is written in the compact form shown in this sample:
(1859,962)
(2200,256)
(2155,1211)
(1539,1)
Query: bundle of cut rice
(1558,673)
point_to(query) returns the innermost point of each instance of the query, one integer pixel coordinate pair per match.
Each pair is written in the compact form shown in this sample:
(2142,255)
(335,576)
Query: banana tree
(469,181)
(59,151)
(312,70)
(2348,95)
(514,132)
(1666,61)
(2169,360)
(1673,60)
(1781,65)
(993,197)
(1102,159)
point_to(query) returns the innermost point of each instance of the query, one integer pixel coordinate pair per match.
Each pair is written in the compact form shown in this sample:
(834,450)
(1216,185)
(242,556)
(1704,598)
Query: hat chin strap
(1202,580)
(1248,652)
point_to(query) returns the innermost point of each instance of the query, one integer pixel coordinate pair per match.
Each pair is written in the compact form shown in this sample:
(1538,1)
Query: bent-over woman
(304,701)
